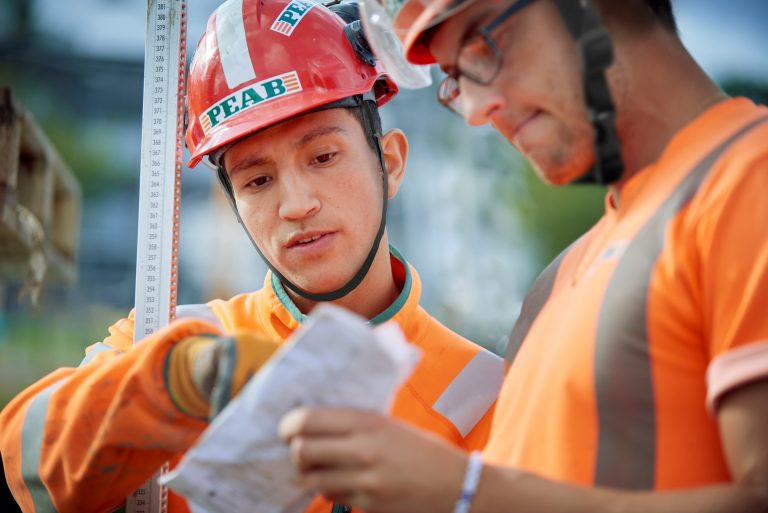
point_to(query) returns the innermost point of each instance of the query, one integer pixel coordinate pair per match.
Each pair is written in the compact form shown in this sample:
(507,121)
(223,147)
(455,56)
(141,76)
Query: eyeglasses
(479,59)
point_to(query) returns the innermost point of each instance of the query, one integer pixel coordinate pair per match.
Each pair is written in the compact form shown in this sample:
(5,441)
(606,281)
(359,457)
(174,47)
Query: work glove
(204,372)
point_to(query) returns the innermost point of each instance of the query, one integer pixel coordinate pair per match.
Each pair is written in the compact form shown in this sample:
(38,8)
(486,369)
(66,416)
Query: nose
(479,103)
(298,197)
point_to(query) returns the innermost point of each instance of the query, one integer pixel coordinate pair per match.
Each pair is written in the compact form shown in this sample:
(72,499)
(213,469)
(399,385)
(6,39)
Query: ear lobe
(394,144)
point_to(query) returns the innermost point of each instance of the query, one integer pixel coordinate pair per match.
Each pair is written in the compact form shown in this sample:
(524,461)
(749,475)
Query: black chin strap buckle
(608,164)
(596,48)
(597,54)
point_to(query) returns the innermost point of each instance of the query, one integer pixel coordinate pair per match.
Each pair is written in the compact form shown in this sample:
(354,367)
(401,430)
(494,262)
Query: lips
(306,238)
(521,125)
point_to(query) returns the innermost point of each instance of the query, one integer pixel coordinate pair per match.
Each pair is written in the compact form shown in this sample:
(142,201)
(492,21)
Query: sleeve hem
(734,369)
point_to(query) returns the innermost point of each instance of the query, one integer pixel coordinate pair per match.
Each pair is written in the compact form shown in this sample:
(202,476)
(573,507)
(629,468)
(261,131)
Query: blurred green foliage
(33,344)
(756,91)
(550,217)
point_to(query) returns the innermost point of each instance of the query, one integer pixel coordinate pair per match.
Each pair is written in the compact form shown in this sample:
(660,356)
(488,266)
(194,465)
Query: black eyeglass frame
(451,82)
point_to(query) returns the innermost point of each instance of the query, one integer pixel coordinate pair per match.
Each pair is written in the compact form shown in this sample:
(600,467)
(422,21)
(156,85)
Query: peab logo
(247,97)
(291,15)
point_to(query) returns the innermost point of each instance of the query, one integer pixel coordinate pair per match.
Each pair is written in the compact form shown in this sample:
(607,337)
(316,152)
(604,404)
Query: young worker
(283,99)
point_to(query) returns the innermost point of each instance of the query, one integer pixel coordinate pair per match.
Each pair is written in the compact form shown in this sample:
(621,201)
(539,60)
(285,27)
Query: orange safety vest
(81,439)
(627,340)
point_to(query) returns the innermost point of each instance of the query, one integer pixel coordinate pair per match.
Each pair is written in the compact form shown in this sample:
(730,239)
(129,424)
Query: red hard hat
(261,62)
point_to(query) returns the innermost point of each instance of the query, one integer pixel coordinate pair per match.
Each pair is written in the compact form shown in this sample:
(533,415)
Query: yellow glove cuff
(240,356)
(191,363)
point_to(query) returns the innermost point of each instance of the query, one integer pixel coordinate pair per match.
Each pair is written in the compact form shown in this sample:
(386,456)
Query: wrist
(470,483)
(190,373)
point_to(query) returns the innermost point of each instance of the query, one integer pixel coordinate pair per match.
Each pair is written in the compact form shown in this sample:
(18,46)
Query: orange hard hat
(415,19)
(261,62)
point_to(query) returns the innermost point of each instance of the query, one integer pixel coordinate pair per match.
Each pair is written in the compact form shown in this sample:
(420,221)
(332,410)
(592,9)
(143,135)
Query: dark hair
(663,11)
(367,115)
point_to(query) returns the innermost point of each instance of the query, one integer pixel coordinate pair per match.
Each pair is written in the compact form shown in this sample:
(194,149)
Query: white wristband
(471,479)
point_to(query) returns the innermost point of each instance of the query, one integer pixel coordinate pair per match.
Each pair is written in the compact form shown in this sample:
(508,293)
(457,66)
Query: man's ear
(395,147)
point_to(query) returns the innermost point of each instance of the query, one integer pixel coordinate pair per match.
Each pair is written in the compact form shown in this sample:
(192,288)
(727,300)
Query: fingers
(323,422)
(313,453)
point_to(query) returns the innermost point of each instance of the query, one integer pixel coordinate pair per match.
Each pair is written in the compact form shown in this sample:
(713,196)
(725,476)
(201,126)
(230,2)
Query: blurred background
(471,216)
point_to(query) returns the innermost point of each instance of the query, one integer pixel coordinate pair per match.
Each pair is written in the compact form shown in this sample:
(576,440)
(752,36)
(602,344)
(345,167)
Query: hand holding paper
(337,360)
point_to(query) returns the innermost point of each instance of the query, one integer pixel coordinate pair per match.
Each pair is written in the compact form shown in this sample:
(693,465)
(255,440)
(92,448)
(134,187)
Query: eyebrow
(480,18)
(256,160)
(248,162)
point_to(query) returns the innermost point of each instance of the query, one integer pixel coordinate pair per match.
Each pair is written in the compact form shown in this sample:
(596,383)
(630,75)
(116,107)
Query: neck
(658,89)
(374,294)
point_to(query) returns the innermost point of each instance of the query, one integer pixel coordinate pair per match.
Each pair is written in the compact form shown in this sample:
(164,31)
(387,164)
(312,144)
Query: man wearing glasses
(638,369)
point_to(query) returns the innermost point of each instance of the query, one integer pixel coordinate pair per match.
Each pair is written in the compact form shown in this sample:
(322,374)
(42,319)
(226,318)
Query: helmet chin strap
(365,267)
(596,51)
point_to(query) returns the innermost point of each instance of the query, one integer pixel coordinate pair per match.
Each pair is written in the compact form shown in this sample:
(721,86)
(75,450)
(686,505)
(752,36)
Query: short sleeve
(732,237)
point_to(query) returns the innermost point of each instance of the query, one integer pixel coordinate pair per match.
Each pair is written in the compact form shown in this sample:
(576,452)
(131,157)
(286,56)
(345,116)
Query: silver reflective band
(97,348)
(32,436)
(471,479)
(472,392)
(201,311)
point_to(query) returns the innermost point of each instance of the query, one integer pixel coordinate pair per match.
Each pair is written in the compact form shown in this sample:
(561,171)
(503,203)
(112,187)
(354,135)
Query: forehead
(291,132)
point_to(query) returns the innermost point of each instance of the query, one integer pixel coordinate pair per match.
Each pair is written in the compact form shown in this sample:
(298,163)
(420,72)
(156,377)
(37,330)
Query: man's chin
(320,286)
(560,173)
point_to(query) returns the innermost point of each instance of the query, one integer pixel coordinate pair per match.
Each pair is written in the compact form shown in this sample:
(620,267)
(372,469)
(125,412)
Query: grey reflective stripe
(96,349)
(472,391)
(534,301)
(623,375)
(31,442)
(199,311)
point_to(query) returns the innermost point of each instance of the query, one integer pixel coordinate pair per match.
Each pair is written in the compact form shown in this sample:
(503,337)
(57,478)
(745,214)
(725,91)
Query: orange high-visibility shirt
(82,439)
(656,312)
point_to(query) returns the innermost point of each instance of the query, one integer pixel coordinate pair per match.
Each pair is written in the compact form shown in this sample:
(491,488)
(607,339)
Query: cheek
(360,201)
(256,221)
